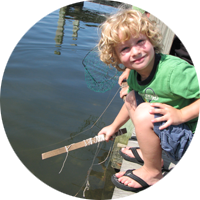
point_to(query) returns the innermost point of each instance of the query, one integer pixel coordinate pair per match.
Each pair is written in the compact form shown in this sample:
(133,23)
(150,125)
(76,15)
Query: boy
(163,100)
(186,45)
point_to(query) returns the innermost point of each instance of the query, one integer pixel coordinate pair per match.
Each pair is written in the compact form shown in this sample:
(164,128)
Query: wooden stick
(81,144)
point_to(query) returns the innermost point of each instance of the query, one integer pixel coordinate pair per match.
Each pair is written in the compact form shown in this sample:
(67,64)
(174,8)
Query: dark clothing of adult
(186,44)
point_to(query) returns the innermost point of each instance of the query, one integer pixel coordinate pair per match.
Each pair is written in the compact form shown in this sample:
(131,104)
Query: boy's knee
(142,113)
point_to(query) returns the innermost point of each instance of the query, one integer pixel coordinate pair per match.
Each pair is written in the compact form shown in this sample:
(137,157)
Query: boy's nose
(135,51)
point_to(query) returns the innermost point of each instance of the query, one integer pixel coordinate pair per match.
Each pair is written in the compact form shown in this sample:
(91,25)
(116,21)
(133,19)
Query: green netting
(98,76)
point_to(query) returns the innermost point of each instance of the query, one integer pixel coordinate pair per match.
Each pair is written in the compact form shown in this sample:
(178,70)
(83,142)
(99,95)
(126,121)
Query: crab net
(99,77)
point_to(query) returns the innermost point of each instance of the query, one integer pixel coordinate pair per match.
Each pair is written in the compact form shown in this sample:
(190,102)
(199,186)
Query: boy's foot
(136,180)
(134,154)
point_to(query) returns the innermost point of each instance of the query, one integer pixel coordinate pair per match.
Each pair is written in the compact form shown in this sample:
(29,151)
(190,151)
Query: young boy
(163,100)
(185,45)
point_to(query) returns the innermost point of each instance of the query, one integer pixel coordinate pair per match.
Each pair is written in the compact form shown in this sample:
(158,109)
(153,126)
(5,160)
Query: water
(45,100)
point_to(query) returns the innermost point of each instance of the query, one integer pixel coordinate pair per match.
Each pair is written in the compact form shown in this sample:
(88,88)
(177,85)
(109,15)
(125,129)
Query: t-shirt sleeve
(184,81)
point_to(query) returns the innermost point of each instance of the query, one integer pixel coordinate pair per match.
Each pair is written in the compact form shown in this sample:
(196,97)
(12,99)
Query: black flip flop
(129,174)
(137,158)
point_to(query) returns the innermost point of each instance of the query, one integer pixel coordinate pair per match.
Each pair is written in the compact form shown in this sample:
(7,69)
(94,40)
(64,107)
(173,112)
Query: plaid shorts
(174,139)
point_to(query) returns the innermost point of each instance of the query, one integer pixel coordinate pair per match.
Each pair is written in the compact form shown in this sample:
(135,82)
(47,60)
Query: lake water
(46,101)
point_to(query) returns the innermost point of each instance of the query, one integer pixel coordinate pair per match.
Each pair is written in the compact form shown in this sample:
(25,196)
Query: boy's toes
(126,150)
(119,174)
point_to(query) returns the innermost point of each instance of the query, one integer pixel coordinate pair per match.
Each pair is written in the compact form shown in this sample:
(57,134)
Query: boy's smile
(137,54)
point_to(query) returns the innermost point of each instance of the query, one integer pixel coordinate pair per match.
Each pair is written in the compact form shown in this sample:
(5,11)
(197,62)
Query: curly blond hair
(129,22)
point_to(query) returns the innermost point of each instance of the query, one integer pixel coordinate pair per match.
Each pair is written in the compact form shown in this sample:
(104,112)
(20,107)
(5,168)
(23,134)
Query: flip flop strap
(135,153)
(136,178)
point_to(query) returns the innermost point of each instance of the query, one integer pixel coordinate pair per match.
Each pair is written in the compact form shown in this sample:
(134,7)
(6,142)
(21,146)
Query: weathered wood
(167,14)
(78,145)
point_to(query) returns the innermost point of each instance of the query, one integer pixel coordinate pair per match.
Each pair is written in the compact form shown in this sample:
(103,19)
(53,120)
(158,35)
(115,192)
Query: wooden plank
(167,14)
(78,145)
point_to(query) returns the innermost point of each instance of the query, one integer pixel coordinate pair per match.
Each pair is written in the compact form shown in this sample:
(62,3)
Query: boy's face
(137,54)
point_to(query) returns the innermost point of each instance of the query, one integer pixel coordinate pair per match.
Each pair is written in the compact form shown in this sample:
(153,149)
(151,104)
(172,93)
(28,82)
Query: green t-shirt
(172,81)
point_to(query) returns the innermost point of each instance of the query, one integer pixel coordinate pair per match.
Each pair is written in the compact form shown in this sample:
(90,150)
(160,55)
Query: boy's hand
(108,131)
(123,76)
(171,115)
(124,92)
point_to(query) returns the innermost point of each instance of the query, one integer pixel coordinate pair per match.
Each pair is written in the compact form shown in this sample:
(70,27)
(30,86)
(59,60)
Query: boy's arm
(191,111)
(174,116)
(120,120)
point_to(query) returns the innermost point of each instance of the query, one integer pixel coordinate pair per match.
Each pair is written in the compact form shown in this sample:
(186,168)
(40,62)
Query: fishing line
(87,183)
(88,173)
(105,158)
(98,140)
(94,122)
(81,131)
(67,150)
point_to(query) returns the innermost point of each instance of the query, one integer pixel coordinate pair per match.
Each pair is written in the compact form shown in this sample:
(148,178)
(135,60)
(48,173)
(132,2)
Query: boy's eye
(141,41)
(124,49)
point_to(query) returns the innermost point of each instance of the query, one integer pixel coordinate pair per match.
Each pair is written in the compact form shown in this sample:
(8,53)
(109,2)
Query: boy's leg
(149,144)
(127,150)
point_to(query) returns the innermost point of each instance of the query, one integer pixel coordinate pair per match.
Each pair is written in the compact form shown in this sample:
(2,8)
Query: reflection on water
(45,101)
(76,13)
(64,10)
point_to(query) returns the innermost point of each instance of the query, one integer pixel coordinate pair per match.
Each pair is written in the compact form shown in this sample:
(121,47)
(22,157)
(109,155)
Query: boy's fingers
(158,119)
(107,137)
(157,111)
(154,104)
(165,125)
(160,105)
